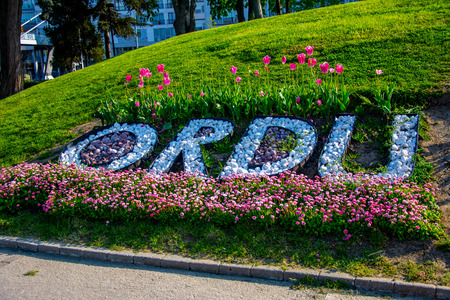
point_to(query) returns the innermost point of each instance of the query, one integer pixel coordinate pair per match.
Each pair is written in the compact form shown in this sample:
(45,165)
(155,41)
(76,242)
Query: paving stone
(47,247)
(333,275)
(267,272)
(378,284)
(443,292)
(234,269)
(176,262)
(207,266)
(415,289)
(93,253)
(27,246)
(299,274)
(8,242)
(73,251)
(148,259)
(121,257)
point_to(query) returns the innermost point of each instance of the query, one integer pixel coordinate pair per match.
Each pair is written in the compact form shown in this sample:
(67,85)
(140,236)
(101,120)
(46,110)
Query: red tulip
(312,62)
(160,68)
(301,58)
(324,67)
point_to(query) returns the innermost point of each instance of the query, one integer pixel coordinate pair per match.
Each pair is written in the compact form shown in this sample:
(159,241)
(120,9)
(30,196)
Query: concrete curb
(209,266)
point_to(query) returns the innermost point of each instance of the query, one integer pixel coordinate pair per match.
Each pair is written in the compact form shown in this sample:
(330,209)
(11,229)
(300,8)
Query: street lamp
(110,5)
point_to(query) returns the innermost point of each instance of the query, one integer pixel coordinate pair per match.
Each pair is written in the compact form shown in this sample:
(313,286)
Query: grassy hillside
(408,40)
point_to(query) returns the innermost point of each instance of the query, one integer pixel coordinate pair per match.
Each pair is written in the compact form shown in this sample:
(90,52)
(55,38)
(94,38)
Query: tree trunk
(107,38)
(278,7)
(251,14)
(179,8)
(288,4)
(240,10)
(191,26)
(11,75)
(257,9)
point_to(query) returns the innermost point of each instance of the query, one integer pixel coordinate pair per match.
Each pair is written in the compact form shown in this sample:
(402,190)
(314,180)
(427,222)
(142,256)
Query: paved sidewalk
(63,277)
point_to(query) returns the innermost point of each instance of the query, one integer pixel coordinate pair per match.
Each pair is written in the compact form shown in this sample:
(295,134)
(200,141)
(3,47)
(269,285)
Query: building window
(163,33)
(171,18)
(158,19)
(169,4)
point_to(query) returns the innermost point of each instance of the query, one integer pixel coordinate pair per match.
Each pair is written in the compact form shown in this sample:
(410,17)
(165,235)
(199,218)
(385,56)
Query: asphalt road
(60,277)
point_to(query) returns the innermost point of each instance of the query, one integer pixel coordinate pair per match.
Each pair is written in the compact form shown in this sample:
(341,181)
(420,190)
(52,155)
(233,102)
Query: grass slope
(406,39)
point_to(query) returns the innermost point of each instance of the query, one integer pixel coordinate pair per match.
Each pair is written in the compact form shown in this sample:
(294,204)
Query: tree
(221,8)
(123,26)
(11,75)
(184,16)
(71,32)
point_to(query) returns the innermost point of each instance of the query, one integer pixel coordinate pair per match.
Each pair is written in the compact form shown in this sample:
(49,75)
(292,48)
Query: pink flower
(170,95)
(267,68)
(166,80)
(266,59)
(417,227)
(301,58)
(319,81)
(345,231)
(160,68)
(298,99)
(317,255)
(309,50)
(233,69)
(137,104)
(312,62)
(145,73)
(324,67)
(166,75)
(190,96)
(283,60)
(379,72)
(238,79)
(292,66)
(160,87)
(128,78)
(256,73)
(202,94)
(331,70)
(339,68)
(261,93)
(319,102)
(141,84)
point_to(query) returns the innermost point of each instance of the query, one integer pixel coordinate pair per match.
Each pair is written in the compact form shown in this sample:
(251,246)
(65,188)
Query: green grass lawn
(408,40)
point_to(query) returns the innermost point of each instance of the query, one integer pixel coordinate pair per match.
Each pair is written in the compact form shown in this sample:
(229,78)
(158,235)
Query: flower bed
(358,203)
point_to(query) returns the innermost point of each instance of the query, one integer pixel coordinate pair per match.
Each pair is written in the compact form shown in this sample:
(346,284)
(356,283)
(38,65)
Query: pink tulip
(331,70)
(190,96)
(128,78)
(292,66)
(309,50)
(166,75)
(202,94)
(267,68)
(301,58)
(283,60)
(160,87)
(261,93)
(319,102)
(238,79)
(137,104)
(324,67)
(160,68)
(298,99)
(379,72)
(170,95)
(233,69)
(266,59)
(312,62)
(339,68)
(141,84)
(166,80)
(145,73)
(256,73)
(319,81)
